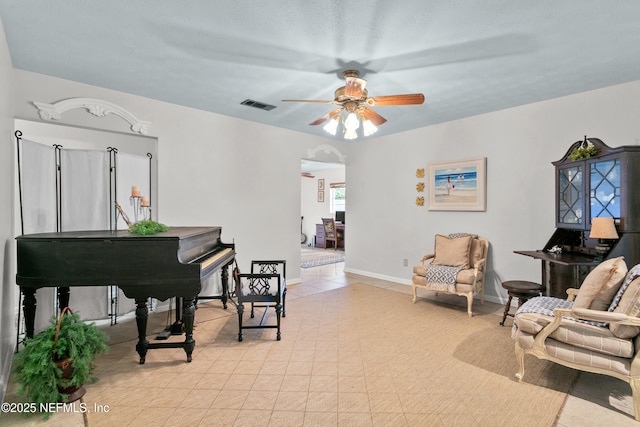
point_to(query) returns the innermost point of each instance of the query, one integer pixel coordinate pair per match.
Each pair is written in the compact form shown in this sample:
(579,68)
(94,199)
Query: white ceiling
(467,57)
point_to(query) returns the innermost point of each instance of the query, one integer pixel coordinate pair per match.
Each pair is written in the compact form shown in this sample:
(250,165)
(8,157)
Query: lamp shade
(603,228)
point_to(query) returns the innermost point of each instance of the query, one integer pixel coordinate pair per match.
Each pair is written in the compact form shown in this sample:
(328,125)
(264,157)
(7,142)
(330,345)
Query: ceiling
(467,57)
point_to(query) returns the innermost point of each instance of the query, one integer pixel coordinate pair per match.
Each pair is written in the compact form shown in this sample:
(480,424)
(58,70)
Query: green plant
(583,152)
(147,226)
(35,367)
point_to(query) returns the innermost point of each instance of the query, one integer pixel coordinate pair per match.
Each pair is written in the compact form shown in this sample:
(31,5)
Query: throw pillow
(601,284)
(629,305)
(632,274)
(452,252)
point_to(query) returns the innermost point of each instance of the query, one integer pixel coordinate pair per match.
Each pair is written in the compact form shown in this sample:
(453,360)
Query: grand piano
(163,265)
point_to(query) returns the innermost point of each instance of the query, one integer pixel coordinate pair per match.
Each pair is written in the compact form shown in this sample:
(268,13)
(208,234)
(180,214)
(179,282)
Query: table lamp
(603,229)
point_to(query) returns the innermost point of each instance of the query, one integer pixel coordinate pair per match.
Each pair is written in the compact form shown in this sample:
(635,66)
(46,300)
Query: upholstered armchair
(596,329)
(457,267)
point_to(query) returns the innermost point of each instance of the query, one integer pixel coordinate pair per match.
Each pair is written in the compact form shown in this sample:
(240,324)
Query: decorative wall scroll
(458,186)
(97,107)
(327,149)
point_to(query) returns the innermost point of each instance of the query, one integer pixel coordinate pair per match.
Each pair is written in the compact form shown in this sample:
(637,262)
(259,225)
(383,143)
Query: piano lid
(171,233)
(93,258)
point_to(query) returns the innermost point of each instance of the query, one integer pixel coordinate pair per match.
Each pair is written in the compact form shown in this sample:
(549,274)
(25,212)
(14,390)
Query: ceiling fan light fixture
(350,134)
(332,126)
(368,128)
(351,122)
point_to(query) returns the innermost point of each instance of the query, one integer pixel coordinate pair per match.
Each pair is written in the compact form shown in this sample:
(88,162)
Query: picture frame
(320,196)
(321,184)
(458,185)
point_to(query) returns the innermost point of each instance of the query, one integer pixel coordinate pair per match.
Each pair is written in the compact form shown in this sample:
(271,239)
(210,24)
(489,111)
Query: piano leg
(176,328)
(29,308)
(188,316)
(141,322)
(224,276)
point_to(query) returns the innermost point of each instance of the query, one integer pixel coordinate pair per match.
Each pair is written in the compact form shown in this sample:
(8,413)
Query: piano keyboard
(215,258)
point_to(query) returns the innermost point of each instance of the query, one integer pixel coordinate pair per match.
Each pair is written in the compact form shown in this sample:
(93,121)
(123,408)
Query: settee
(596,329)
(457,266)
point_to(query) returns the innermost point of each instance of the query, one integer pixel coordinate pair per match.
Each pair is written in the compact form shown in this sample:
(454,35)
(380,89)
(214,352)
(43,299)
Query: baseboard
(403,281)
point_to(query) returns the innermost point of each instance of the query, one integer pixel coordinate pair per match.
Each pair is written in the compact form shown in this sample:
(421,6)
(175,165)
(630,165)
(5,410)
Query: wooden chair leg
(469,303)
(520,359)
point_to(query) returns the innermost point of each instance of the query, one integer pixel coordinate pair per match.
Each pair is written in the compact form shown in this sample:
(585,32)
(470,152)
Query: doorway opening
(322,195)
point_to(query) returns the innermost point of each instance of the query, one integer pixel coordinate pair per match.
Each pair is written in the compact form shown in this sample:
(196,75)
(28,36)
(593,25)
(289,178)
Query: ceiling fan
(354,102)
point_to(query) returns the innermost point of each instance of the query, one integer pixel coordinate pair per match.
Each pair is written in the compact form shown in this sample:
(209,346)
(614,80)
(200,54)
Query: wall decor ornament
(327,149)
(321,184)
(97,107)
(420,187)
(458,185)
(419,201)
(320,196)
(420,173)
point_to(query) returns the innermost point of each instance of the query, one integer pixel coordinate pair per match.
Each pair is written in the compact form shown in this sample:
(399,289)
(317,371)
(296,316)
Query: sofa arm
(572,293)
(604,316)
(426,257)
(479,266)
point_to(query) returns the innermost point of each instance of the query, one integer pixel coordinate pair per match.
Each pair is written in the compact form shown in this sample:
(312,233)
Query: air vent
(256,104)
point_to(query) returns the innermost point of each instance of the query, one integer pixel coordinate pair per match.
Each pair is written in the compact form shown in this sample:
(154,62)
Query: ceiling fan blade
(375,118)
(320,101)
(329,115)
(354,87)
(408,99)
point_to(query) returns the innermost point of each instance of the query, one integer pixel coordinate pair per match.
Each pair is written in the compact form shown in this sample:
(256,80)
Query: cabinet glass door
(571,196)
(604,191)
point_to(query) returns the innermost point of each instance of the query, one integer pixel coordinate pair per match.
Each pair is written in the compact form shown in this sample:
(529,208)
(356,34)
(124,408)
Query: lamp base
(602,249)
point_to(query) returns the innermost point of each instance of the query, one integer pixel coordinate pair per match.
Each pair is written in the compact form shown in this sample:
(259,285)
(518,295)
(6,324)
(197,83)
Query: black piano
(163,265)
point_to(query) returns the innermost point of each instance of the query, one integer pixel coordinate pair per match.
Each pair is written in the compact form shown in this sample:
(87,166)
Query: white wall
(312,210)
(519,144)
(8,289)
(212,169)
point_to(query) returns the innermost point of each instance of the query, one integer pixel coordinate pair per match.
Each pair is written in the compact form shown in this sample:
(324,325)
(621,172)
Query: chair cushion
(629,305)
(601,284)
(452,252)
(595,338)
(575,355)
(466,277)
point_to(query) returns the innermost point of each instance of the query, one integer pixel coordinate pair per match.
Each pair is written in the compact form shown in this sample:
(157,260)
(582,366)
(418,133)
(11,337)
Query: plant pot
(74,392)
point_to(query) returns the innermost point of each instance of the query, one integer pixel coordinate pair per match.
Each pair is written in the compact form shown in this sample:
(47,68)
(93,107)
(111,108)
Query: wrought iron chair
(260,290)
(272,267)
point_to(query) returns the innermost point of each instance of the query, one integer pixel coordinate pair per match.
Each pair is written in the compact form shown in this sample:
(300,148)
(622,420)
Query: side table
(521,289)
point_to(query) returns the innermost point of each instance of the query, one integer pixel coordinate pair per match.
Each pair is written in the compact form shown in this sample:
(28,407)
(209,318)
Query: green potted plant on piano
(54,365)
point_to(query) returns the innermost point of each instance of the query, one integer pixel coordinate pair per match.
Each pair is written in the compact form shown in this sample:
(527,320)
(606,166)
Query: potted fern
(54,365)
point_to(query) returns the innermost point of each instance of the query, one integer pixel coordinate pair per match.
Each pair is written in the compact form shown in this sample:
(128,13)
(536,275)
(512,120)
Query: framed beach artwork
(458,186)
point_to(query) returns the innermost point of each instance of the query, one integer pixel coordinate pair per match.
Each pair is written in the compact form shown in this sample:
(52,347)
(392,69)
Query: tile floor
(594,401)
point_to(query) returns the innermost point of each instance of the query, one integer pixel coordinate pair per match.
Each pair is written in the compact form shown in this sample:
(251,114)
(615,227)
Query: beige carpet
(357,355)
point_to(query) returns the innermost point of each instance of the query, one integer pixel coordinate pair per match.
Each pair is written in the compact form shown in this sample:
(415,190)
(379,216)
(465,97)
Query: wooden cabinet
(601,186)
(320,242)
(598,187)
